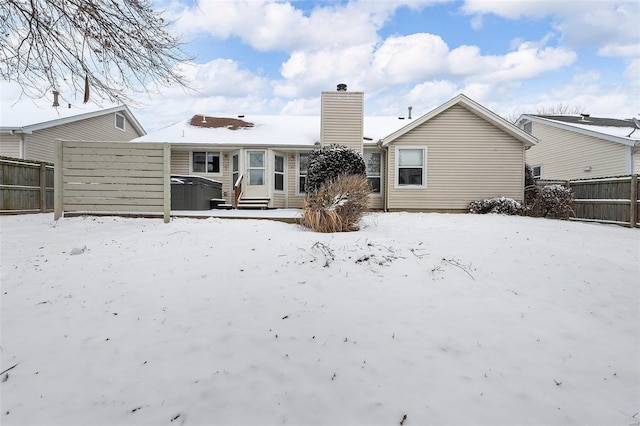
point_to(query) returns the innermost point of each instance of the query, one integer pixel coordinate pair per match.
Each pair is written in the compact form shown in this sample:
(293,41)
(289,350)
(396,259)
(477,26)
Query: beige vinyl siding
(10,146)
(564,154)
(227,186)
(278,198)
(636,161)
(376,202)
(180,162)
(467,159)
(341,119)
(40,145)
(294,199)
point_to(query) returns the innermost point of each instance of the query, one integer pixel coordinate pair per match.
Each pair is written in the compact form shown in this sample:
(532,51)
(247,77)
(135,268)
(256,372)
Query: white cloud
(409,58)
(268,25)
(302,106)
(477,22)
(527,62)
(628,50)
(433,91)
(223,77)
(308,72)
(581,23)
(632,73)
(585,92)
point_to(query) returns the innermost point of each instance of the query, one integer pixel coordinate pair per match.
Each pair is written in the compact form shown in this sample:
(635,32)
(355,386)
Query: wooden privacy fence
(25,186)
(116,177)
(605,200)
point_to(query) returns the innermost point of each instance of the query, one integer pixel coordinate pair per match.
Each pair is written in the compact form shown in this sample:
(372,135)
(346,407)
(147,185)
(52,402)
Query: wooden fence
(25,186)
(115,177)
(605,200)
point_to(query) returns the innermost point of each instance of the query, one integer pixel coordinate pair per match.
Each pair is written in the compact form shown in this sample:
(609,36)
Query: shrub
(500,205)
(531,190)
(557,202)
(338,205)
(329,162)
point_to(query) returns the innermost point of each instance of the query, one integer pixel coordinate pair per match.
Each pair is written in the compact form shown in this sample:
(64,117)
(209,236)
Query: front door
(255,184)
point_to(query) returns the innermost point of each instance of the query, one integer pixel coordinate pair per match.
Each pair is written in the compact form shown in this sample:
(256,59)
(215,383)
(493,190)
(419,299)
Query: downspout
(385,193)
(21,146)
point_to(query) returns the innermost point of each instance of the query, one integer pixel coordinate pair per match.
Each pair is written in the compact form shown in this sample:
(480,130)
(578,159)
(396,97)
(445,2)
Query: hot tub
(195,193)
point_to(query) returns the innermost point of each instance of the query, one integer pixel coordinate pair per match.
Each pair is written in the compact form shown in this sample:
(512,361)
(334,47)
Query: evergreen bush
(500,205)
(327,163)
(531,190)
(556,202)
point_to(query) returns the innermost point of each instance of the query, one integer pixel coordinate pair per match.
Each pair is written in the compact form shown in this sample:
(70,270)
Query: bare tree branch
(122,47)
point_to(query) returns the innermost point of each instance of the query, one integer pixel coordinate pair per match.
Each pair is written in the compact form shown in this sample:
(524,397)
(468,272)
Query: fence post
(167,182)
(43,187)
(633,218)
(57,182)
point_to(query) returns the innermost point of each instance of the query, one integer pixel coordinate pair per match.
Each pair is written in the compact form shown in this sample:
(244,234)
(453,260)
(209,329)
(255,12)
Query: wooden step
(253,203)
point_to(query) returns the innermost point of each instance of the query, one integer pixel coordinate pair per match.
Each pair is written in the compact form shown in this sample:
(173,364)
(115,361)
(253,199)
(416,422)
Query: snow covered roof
(26,116)
(263,130)
(271,130)
(615,130)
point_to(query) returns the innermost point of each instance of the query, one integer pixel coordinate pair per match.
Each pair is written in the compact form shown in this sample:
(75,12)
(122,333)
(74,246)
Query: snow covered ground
(444,319)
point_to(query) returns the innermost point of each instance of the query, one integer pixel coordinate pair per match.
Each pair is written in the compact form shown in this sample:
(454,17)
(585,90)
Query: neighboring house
(30,133)
(457,153)
(580,147)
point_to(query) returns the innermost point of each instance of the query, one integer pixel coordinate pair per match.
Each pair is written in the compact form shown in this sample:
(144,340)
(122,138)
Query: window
(206,162)
(373,162)
(528,127)
(278,170)
(255,168)
(411,166)
(120,121)
(235,169)
(537,172)
(303,162)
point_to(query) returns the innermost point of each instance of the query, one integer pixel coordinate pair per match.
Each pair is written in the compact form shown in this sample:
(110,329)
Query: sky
(447,319)
(276,57)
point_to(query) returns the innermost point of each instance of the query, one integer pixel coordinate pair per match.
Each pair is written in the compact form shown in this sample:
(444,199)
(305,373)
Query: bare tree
(116,47)
(561,109)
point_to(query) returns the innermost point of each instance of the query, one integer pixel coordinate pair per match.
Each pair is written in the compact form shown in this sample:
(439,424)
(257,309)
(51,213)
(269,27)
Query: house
(457,153)
(29,132)
(580,147)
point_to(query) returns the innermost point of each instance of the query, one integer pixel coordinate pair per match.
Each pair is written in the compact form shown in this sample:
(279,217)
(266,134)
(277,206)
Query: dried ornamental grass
(338,205)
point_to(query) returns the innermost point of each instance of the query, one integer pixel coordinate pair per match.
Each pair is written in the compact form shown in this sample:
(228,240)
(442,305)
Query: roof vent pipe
(55,98)
(342,87)
(410,108)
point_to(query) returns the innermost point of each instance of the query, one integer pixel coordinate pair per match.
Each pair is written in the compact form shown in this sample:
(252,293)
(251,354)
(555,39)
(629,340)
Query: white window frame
(533,171)
(397,184)
(124,121)
(206,154)
(379,174)
(299,175)
(276,172)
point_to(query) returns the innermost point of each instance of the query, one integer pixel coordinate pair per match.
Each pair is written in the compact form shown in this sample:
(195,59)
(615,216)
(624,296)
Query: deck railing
(237,191)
